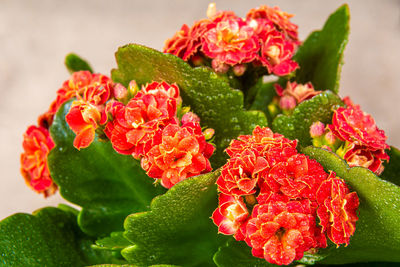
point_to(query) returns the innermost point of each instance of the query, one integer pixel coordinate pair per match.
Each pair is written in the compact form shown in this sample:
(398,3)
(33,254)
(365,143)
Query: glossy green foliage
(178,228)
(391,172)
(377,236)
(297,125)
(321,56)
(108,186)
(74,63)
(50,237)
(209,96)
(116,242)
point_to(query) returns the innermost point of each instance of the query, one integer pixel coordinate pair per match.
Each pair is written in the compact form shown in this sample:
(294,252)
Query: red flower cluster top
(264,37)
(354,136)
(272,197)
(143,123)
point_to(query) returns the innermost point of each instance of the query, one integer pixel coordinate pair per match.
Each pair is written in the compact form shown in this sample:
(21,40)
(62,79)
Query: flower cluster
(92,90)
(37,145)
(354,136)
(271,197)
(149,129)
(264,37)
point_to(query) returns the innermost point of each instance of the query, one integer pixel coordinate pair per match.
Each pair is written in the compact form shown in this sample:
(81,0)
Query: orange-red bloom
(37,145)
(83,119)
(183,152)
(277,52)
(230,41)
(337,209)
(280,19)
(230,214)
(365,143)
(281,232)
(133,126)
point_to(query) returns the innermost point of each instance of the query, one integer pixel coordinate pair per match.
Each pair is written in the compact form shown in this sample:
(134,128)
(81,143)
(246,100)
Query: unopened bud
(197,60)
(317,129)
(287,102)
(211,10)
(133,88)
(239,70)
(330,138)
(120,92)
(209,133)
(219,67)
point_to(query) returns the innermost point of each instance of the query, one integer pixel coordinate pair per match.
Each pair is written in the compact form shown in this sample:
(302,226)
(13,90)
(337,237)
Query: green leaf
(391,172)
(377,235)
(264,93)
(178,228)
(209,96)
(75,63)
(297,125)
(49,237)
(235,253)
(321,55)
(108,186)
(115,242)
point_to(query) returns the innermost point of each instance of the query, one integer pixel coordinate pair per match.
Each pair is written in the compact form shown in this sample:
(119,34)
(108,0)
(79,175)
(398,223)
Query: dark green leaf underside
(209,96)
(108,186)
(177,229)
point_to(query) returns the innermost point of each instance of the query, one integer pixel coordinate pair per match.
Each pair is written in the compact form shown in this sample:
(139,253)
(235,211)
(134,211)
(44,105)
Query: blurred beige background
(35,36)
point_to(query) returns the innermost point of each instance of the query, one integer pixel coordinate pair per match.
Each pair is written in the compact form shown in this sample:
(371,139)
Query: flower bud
(120,92)
(287,102)
(190,117)
(239,70)
(219,67)
(133,88)
(209,133)
(317,129)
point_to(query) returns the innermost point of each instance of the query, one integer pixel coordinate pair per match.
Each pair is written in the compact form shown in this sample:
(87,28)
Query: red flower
(280,19)
(183,152)
(37,145)
(230,41)
(298,177)
(337,209)
(365,143)
(134,125)
(241,174)
(277,52)
(274,147)
(94,88)
(230,214)
(298,92)
(186,42)
(83,119)
(352,124)
(281,232)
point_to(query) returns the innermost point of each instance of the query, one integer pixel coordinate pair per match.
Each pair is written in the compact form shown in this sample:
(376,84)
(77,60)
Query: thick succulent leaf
(377,236)
(108,186)
(321,55)
(391,172)
(297,125)
(74,63)
(235,253)
(209,96)
(49,237)
(116,242)
(177,229)
(130,265)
